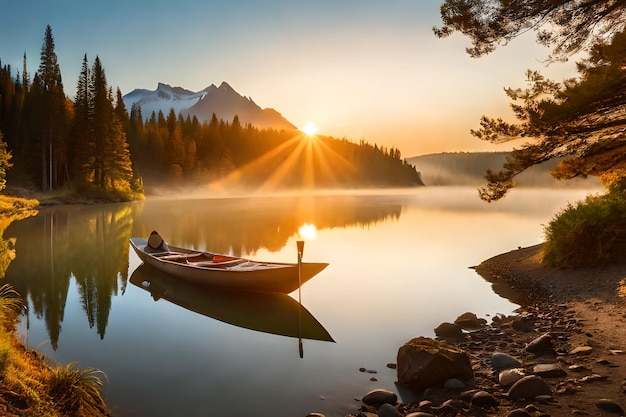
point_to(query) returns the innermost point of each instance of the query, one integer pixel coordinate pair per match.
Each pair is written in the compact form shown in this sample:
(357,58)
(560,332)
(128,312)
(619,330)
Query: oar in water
(300,244)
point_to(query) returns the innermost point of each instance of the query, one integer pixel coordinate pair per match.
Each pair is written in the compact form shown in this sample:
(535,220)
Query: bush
(589,233)
(77,391)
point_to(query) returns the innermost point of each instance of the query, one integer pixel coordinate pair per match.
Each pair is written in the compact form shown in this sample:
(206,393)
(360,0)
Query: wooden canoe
(223,271)
(266,312)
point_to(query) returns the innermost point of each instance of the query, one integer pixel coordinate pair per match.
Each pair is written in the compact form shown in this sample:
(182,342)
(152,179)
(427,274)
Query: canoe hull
(264,277)
(266,312)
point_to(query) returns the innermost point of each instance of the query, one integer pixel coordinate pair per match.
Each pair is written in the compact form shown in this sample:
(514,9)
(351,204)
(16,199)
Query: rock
(519,412)
(424,362)
(610,406)
(454,383)
(388,410)
(581,350)
(315,415)
(449,331)
(541,345)
(380,396)
(469,321)
(523,324)
(425,405)
(450,407)
(529,387)
(501,361)
(549,370)
(510,376)
(483,399)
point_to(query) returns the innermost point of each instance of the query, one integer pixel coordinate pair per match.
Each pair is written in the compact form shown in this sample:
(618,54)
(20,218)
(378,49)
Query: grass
(30,386)
(590,233)
(11,206)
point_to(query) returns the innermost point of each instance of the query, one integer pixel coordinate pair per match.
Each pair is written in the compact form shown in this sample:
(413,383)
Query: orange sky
(360,69)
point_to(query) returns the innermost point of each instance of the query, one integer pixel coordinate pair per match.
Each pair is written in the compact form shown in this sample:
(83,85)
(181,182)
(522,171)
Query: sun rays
(304,162)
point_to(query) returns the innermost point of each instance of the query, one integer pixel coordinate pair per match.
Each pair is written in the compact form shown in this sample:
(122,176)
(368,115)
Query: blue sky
(359,69)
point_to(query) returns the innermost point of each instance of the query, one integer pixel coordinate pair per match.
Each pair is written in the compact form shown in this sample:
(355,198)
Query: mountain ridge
(469,168)
(223,101)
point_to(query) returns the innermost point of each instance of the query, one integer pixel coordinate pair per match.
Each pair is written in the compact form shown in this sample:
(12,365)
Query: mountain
(224,101)
(468,168)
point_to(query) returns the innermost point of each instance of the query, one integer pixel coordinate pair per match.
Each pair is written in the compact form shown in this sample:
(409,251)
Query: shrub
(77,392)
(590,233)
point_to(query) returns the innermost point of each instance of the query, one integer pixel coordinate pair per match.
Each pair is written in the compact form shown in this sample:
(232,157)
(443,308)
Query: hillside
(468,169)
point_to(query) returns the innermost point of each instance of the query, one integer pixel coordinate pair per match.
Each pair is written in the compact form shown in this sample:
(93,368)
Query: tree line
(94,144)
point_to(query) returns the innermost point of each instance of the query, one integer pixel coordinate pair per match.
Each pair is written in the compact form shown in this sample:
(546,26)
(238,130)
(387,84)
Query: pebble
(500,360)
(380,396)
(581,350)
(454,383)
(449,331)
(610,406)
(510,376)
(388,410)
(549,370)
(519,412)
(542,344)
(483,399)
(529,387)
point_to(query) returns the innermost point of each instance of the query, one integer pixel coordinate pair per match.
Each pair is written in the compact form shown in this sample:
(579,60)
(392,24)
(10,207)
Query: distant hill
(468,168)
(224,101)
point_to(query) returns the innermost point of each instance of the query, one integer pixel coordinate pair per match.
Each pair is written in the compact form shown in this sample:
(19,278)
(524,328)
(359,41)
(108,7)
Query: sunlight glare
(309,128)
(307,231)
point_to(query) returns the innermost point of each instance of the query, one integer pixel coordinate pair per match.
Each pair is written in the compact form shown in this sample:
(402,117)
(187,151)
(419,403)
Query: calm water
(399,266)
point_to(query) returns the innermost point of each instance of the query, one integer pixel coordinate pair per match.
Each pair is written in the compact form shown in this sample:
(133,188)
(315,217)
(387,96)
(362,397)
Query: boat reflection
(273,313)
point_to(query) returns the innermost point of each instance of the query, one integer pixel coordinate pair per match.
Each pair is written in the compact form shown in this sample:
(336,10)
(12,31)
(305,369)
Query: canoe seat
(217,264)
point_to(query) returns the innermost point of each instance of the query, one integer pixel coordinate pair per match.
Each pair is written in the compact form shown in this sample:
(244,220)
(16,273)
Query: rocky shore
(562,354)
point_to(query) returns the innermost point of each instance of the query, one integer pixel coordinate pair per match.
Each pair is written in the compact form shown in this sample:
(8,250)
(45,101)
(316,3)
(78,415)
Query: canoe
(273,313)
(223,271)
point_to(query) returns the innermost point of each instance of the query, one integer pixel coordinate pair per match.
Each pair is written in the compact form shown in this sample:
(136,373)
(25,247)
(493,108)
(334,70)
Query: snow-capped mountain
(224,101)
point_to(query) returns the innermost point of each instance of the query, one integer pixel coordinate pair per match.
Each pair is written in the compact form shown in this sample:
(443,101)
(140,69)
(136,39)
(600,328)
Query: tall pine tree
(53,121)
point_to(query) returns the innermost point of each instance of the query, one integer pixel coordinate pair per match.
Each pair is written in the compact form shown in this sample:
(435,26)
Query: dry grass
(29,386)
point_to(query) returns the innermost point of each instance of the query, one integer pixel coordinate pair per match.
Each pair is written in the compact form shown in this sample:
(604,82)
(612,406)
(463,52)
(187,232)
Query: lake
(399,265)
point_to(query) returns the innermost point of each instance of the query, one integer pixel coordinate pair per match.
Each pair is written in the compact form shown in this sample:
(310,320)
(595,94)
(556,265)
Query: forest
(92,144)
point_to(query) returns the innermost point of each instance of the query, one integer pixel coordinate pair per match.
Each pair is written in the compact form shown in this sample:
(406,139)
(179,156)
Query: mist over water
(399,265)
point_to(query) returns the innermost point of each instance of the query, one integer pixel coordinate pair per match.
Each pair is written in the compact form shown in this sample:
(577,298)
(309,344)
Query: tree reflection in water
(90,243)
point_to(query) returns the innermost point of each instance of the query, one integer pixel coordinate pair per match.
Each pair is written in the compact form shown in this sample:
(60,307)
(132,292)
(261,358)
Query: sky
(361,69)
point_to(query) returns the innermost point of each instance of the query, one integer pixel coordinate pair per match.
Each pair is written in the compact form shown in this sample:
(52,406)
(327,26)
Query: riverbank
(583,312)
(29,384)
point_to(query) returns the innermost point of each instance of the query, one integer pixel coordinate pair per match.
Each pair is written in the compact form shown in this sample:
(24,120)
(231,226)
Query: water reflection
(89,244)
(241,226)
(273,313)
(86,243)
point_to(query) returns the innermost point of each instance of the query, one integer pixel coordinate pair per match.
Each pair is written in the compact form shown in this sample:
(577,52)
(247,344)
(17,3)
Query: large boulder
(424,362)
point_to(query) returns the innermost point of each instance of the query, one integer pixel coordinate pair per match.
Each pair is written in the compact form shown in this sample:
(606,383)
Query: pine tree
(82,134)
(53,117)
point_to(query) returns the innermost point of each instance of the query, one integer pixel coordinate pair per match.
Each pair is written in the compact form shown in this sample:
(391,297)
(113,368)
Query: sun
(309,128)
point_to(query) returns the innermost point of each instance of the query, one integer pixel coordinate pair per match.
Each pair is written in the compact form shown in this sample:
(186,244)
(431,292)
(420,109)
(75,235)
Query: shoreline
(584,313)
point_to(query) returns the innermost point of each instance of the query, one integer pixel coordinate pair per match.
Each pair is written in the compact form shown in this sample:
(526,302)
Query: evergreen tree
(83,140)
(568,26)
(52,145)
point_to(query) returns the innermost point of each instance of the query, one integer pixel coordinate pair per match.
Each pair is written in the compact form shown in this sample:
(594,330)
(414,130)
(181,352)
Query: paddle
(300,244)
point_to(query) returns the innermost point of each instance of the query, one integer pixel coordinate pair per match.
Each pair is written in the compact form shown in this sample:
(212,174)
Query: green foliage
(93,145)
(5,164)
(581,120)
(77,392)
(568,26)
(589,233)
